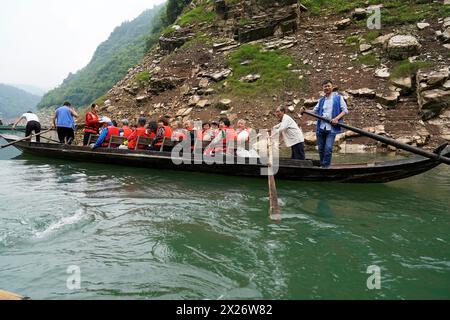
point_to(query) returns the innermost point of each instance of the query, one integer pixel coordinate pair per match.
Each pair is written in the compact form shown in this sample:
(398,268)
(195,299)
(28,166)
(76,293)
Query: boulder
(159,85)
(389,99)
(223,104)
(422,25)
(433,102)
(382,73)
(219,75)
(364,47)
(401,47)
(142,99)
(310,103)
(194,100)
(343,24)
(405,84)
(432,79)
(204,82)
(363,93)
(203,103)
(359,14)
(382,40)
(250,78)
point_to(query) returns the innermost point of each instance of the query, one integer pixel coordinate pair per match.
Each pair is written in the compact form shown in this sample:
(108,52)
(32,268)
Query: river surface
(129,233)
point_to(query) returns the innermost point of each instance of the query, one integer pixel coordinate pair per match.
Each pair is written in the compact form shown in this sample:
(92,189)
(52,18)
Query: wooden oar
(23,139)
(5,295)
(274,208)
(388,141)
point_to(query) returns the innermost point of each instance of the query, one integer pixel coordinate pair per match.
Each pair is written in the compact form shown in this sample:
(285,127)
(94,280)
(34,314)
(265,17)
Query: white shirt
(292,134)
(30,117)
(328,110)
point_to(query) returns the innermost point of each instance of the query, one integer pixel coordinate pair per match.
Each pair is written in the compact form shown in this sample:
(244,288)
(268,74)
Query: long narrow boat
(308,170)
(9,128)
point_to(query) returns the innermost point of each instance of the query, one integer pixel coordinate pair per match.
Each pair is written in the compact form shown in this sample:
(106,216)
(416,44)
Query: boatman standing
(92,124)
(291,133)
(33,124)
(332,106)
(63,121)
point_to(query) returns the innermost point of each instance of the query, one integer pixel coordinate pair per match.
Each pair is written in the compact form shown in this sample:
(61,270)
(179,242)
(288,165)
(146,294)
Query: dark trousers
(65,135)
(298,151)
(325,142)
(33,126)
(87,136)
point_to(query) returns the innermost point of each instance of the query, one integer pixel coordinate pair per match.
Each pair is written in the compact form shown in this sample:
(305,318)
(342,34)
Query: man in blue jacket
(333,107)
(63,121)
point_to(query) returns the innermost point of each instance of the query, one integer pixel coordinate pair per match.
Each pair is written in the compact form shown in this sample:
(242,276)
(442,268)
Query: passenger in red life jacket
(225,138)
(140,131)
(164,131)
(125,131)
(178,133)
(109,129)
(152,129)
(92,124)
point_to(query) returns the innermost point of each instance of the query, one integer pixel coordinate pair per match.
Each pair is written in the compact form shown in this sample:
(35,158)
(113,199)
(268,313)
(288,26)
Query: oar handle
(386,140)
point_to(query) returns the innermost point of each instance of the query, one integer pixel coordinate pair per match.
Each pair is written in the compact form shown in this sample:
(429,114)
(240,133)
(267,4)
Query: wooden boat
(308,170)
(9,127)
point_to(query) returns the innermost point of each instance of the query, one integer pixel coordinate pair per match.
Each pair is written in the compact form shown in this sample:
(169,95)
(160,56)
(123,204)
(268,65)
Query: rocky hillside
(243,58)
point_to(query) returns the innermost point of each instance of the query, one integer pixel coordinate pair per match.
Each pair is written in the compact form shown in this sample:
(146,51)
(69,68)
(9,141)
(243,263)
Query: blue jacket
(336,111)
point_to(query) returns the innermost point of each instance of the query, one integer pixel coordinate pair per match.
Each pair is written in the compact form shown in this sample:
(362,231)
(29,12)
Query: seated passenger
(152,129)
(125,131)
(225,138)
(164,131)
(206,133)
(139,132)
(242,132)
(178,133)
(108,130)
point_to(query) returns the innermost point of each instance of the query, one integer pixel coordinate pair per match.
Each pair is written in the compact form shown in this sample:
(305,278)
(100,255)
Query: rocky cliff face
(258,54)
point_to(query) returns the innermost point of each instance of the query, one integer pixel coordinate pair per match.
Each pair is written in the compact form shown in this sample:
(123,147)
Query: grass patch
(372,35)
(168,30)
(197,15)
(368,59)
(271,65)
(142,78)
(100,101)
(406,68)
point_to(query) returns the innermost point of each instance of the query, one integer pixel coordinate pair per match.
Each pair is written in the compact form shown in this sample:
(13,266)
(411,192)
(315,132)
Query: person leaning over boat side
(33,124)
(291,134)
(125,130)
(63,121)
(140,131)
(92,124)
(333,107)
(164,131)
(109,129)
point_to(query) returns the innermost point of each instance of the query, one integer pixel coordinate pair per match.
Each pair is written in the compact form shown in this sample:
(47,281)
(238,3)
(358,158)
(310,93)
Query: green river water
(148,234)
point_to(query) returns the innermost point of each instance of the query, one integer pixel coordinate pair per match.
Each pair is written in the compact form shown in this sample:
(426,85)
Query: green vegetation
(368,59)
(125,47)
(14,101)
(394,12)
(142,78)
(197,15)
(372,35)
(271,65)
(405,68)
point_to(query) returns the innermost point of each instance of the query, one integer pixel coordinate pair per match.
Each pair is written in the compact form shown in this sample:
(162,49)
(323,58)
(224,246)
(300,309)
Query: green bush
(405,68)
(271,65)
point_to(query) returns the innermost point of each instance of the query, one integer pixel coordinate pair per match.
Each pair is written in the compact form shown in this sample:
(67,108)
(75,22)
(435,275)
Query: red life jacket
(132,139)
(112,131)
(167,134)
(230,135)
(92,123)
(126,131)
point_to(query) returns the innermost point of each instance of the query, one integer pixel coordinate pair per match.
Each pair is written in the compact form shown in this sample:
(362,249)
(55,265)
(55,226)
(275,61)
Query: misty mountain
(37,91)
(125,47)
(14,101)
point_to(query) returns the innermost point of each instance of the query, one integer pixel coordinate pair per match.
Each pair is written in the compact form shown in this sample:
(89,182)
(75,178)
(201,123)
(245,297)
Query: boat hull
(297,170)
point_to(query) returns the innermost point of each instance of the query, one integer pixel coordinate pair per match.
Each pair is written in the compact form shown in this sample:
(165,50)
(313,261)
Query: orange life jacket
(167,134)
(126,131)
(112,131)
(132,139)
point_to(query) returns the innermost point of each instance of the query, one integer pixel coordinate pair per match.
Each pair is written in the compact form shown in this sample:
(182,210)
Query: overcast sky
(41,41)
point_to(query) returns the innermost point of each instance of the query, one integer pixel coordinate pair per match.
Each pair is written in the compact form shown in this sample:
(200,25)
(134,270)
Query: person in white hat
(108,129)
